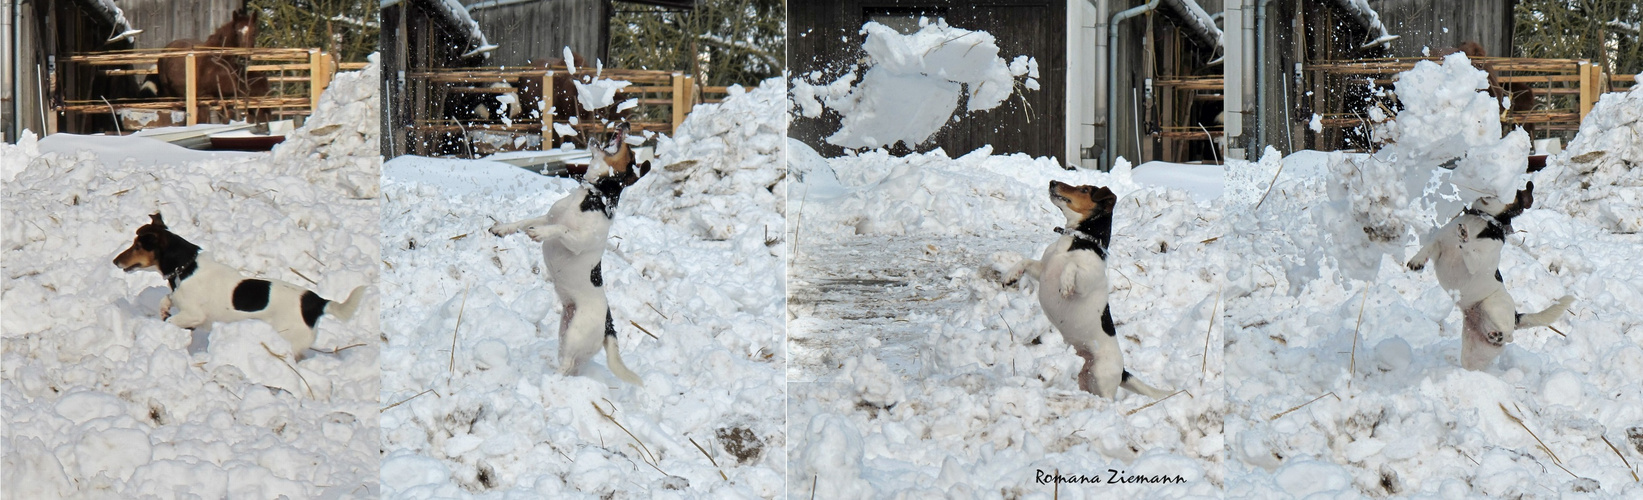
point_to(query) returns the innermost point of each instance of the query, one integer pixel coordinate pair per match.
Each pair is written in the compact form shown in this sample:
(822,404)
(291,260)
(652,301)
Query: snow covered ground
(694,259)
(915,372)
(1341,387)
(103,399)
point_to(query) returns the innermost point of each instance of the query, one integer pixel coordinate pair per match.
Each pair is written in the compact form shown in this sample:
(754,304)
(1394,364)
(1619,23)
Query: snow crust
(913,84)
(693,259)
(102,398)
(1349,387)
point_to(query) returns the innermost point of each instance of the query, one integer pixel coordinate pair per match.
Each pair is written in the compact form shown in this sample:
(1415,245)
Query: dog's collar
(1480,213)
(181,273)
(1077,235)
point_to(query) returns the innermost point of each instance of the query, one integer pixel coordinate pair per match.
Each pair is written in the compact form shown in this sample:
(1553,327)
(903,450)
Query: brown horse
(216,76)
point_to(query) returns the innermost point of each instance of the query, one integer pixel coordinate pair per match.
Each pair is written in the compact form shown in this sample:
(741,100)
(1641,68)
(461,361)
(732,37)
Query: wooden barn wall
(824,37)
(1134,143)
(1421,23)
(411,41)
(165,20)
(534,30)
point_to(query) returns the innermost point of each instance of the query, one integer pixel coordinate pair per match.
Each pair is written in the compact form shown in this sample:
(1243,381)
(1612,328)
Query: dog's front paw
(537,233)
(1416,266)
(1067,289)
(165,313)
(501,229)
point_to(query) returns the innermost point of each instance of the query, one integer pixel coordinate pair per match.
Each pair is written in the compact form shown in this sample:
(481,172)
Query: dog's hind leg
(1481,341)
(579,337)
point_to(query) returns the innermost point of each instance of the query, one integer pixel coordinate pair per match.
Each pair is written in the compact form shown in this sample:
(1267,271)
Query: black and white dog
(573,236)
(205,291)
(1466,257)
(1073,289)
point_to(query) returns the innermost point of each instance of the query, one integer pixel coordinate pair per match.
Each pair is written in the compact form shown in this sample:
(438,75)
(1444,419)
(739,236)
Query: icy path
(875,294)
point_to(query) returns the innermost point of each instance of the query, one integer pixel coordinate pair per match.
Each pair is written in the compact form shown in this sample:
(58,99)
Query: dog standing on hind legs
(573,236)
(1466,257)
(1073,289)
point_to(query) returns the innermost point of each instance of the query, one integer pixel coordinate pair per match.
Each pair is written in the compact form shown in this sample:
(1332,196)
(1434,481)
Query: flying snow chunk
(570,60)
(598,94)
(914,84)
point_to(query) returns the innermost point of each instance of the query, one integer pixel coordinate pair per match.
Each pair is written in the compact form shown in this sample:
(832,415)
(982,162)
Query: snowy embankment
(102,398)
(694,259)
(940,381)
(1342,364)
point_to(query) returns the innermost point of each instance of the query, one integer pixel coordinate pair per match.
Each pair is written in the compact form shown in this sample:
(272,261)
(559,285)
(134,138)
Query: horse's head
(241,31)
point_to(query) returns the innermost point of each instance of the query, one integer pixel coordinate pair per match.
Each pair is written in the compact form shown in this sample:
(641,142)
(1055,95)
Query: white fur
(1466,264)
(573,242)
(1073,292)
(206,296)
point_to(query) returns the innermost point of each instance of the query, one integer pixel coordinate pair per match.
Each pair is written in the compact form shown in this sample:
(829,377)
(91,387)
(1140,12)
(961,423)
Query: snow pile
(1355,388)
(938,381)
(501,421)
(721,173)
(338,143)
(913,84)
(102,398)
(1447,119)
(1606,160)
(877,193)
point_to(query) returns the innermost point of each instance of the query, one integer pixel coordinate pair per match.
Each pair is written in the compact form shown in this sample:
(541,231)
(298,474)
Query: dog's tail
(1135,385)
(1546,317)
(345,310)
(613,357)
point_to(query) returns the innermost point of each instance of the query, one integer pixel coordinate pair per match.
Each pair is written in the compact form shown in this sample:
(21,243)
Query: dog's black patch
(610,324)
(1497,276)
(1125,378)
(597,277)
(177,257)
(603,196)
(1093,233)
(1106,322)
(593,202)
(1493,231)
(251,295)
(312,307)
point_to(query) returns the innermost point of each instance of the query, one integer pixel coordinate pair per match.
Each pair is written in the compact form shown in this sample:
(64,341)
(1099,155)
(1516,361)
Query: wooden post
(546,103)
(319,76)
(189,84)
(681,100)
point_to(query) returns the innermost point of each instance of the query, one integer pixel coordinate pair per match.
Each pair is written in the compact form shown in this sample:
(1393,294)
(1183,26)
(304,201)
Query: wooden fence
(1562,91)
(664,100)
(296,78)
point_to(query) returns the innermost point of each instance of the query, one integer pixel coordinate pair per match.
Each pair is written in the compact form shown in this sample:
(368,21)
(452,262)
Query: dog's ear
(635,172)
(1104,199)
(1526,196)
(156,220)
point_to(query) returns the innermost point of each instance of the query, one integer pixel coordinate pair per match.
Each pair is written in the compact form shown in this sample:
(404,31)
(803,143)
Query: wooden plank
(680,107)
(1588,90)
(549,135)
(189,84)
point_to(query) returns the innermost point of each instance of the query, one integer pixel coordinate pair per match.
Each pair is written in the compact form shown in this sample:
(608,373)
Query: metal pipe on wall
(1112,78)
